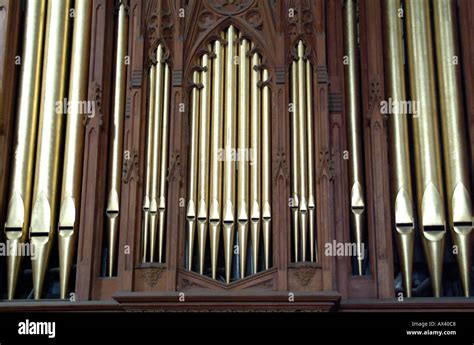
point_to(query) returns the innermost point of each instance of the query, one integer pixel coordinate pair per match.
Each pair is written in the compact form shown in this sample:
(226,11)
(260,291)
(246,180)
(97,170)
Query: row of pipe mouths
(431,138)
(46,165)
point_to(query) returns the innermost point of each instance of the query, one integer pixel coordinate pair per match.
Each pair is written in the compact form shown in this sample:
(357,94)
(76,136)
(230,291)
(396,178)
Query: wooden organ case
(236,146)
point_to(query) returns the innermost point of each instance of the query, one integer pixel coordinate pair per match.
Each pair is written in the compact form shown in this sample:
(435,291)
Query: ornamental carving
(230,7)
(152,275)
(305,275)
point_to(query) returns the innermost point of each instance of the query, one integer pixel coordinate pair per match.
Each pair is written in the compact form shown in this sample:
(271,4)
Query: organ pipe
(203,163)
(354,130)
(191,213)
(430,197)
(45,194)
(255,157)
(229,144)
(266,168)
(74,145)
(295,166)
(23,161)
(401,184)
(116,140)
(216,161)
(149,162)
(458,189)
(243,144)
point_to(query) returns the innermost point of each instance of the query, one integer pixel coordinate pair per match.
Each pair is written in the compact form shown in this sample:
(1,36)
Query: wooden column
(334,156)
(376,148)
(91,226)
(132,176)
(323,157)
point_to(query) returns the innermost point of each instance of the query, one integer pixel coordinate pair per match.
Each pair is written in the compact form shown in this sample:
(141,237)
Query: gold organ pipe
(255,165)
(295,167)
(229,142)
(354,129)
(311,196)
(203,163)
(156,159)
(458,187)
(149,162)
(426,142)
(116,139)
(243,144)
(215,193)
(45,194)
(18,213)
(303,202)
(401,184)
(164,163)
(74,145)
(266,169)
(191,213)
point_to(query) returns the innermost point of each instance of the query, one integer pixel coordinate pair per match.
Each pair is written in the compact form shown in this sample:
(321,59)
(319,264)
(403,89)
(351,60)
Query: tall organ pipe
(191,212)
(266,168)
(430,199)
(295,166)
(229,144)
(254,156)
(400,182)
(164,163)
(18,213)
(156,158)
(243,144)
(309,131)
(354,130)
(203,163)
(116,140)
(458,187)
(216,163)
(45,194)
(149,162)
(74,146)
(303,158)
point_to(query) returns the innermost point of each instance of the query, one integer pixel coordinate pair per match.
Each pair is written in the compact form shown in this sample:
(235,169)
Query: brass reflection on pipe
(266,168)
(149,162)
(303,202)
(156,158)
(430,198)
(229,143)
(254,156)
(74,145)
(18,213)
(191,213)
(203,163)
(243,144)
(295,167)
(401,184)
(116,140)
(164,163)
(45,195)
(458,187)
(215,193)
(309,131)
(354,130)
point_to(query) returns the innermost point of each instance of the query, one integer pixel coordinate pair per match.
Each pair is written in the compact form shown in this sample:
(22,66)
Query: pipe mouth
(39,234)
(433,228)
(13,229)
